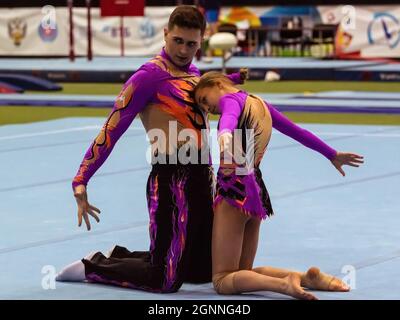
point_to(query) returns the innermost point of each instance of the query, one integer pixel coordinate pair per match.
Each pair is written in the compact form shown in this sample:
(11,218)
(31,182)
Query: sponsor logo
(384,29)
(147,29)
(48,34)
(17,30)
(115,32)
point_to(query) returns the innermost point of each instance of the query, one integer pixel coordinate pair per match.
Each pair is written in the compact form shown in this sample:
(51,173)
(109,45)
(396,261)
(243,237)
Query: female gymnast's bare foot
(316,280)
(294,288)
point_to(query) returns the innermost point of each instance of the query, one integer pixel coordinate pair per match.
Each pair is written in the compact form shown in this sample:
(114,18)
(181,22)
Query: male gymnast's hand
(84,208)
(346,158)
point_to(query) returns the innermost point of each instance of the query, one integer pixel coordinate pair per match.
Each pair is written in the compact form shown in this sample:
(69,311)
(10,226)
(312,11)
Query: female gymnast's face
(208,98)
(181,44)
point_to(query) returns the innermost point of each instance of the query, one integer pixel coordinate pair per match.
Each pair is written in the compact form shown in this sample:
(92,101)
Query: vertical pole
(121,32)
(89,32)
(71,31)
(224,61)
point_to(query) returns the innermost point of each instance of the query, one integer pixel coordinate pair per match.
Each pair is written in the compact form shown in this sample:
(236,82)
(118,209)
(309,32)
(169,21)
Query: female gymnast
(242,200)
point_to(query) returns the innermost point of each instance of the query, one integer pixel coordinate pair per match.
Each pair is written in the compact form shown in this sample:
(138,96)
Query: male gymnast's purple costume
(179,196)
(243,111)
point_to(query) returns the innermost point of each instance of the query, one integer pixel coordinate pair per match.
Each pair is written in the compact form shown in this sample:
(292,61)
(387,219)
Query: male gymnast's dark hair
(186,16)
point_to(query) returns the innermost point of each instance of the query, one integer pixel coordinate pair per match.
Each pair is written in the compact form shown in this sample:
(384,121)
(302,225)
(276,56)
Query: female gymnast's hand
(350,159)
(84,208)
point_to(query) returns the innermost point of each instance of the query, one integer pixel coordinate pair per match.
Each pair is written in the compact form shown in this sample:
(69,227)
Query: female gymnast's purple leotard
(243,111)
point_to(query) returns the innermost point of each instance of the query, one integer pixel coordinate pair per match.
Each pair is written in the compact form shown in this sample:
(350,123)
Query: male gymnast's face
(181,44)
(207,98)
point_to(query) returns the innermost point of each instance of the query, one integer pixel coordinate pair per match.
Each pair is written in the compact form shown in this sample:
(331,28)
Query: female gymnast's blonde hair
(211,78)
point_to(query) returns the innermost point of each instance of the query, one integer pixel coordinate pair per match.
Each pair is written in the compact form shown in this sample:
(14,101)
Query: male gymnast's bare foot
(294,288)
(316,280)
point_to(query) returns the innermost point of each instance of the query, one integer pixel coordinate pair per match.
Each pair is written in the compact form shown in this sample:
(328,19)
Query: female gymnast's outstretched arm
(281,123)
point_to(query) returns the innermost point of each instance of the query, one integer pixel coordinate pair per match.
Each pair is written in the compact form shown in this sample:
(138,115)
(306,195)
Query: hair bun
(244,74)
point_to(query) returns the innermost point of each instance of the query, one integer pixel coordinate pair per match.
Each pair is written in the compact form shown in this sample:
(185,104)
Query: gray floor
(347,226)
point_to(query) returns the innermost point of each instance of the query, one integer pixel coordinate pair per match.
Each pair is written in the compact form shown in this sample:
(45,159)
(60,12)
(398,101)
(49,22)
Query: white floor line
(384,135)
(97,127)
(48,133)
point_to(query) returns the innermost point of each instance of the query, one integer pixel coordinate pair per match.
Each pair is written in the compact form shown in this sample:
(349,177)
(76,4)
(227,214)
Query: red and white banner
(364,31)
(125,8)
(38,32)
